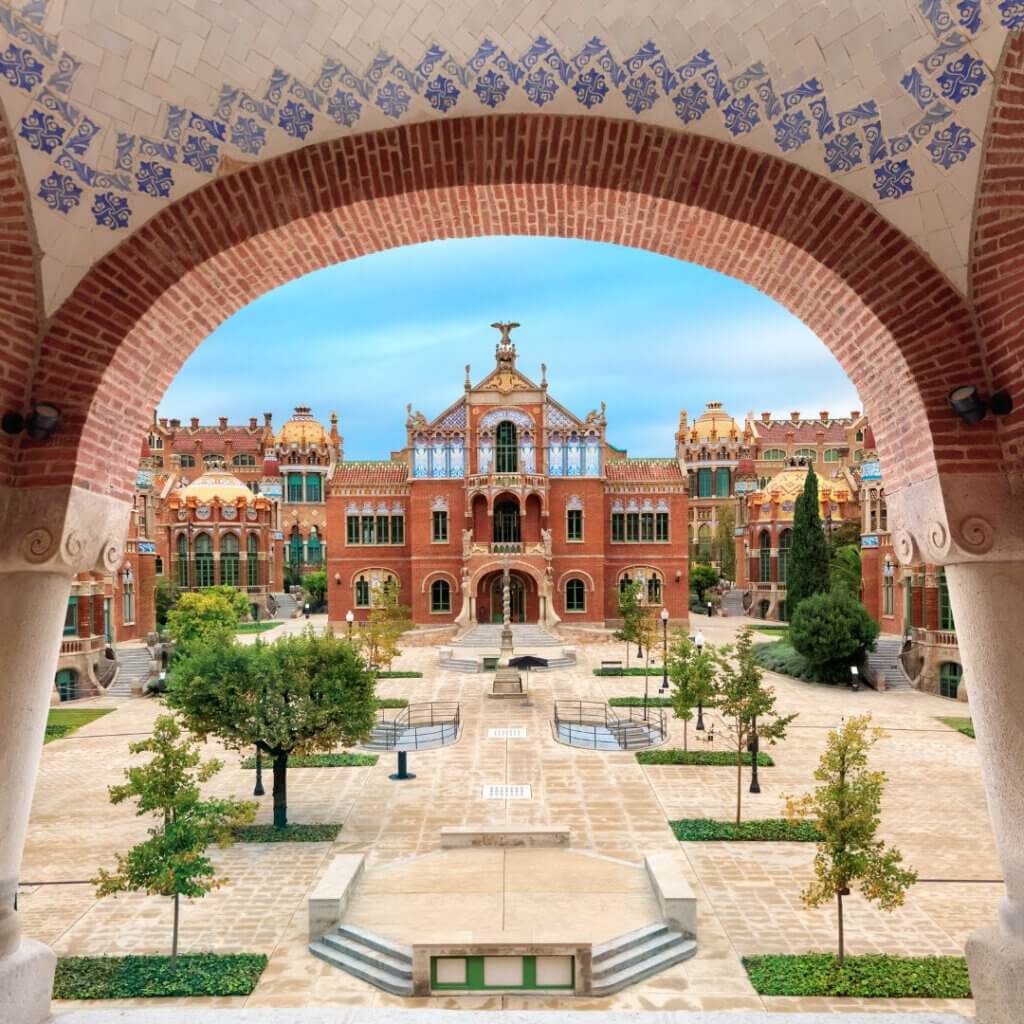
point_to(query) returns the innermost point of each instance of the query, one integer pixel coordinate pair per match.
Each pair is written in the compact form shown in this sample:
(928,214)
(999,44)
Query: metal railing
(588,723)
(416,726)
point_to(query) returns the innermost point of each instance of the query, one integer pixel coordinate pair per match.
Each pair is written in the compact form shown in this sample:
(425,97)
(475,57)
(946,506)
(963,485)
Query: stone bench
(673,891)
(330,896)
(465,836)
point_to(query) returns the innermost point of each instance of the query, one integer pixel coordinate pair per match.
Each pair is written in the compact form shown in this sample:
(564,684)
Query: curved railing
(593,724)
(418,726)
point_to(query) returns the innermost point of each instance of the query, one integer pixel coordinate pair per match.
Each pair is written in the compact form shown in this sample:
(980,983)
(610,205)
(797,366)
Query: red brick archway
(901,332)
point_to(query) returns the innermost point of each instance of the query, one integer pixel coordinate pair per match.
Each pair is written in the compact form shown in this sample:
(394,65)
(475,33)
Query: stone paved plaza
(748,893)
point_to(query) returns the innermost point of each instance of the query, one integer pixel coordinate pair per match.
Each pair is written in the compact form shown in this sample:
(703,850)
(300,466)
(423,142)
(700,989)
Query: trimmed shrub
(832,631)
(654,670)
(318,833)
(343,760)
(638,702)
(780,657)
(715,758)
(399,675)
(762,830)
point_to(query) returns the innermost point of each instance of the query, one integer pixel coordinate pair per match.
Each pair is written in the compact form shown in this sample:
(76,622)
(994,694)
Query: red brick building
(506,473)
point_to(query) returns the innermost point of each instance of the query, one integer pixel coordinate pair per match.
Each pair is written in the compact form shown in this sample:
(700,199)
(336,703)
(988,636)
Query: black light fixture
(40,423)
(972,408)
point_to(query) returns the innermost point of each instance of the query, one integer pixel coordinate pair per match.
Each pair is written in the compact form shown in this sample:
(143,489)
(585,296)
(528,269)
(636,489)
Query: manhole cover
(507,792)
(512,732)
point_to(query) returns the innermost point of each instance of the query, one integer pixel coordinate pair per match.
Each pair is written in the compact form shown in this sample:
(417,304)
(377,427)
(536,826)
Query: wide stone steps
(636,955)
(367,956)
(489,635)
(286,606)
(134,669)
(472,666)
(885,661)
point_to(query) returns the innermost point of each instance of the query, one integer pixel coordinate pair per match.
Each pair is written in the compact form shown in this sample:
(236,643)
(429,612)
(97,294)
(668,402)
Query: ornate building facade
(507,476)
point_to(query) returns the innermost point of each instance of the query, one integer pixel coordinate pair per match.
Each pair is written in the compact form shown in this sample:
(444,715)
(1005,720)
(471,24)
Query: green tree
(237,599)
(846,809)
(746,705)
(832,631)
(844,569)
(172,861)
(384,626)
(725,541)
(845,534)
(204,616)
(631,612)
(808,571)
(301,694)
(693,679)
(315,586)
(702,578)
(165,597)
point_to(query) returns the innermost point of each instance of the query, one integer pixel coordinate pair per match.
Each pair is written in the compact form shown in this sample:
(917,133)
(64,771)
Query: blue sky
(646,334)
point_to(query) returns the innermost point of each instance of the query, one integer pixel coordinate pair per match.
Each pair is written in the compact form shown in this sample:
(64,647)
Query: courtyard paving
(748,894)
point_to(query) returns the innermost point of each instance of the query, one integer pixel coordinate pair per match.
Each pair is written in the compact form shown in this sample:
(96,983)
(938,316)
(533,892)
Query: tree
(647,629)
(807,573)
(844,569)
(845,534)
(847,810)
(832,631)
(725,540)
(172,861)
(702,578)
(165,597)
(387,621)
(745,704)
(301,694)
(693,679)
(631,611)
(205,616)
(315,586)
(235,597)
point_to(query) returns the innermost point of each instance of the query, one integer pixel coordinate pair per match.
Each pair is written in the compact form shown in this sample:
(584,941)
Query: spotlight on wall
(40,423)
(337,578)
(972,408)
(679,575)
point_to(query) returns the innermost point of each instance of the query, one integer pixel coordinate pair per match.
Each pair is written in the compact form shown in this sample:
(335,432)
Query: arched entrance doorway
(524,605)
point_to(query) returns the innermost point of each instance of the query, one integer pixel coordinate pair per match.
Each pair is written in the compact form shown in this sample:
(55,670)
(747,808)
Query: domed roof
(302,429)
(790,483)
(714,419)
(217,483)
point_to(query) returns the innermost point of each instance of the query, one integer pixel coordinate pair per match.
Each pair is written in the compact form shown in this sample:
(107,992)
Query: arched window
(859,435)
(67,684)
(204,561)
(949,679)
(654,590)
(888,588)
(625,582)
(765,553)
(314,549)
(704,543)
(155,442)
(229,560)
(187,461)
(785,542)
(295,548)
(832,455)
(945,608)
(722,483)
(506,449)
(774,455)
(127,596)
(440,596)
(158,566)
(182,553)
(314,489)
(252,560)
(805,453)
(362,592)
(575,596)
(244,459)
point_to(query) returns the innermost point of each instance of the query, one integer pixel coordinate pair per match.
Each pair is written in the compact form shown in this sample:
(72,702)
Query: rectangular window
(439,534)
(367,533)
(129,602)
(618,527)
(314,491)
(632,526)
(574,524)
(108,624)
(398,529)
(721,483)
(252,570)
(295,487)
(661,526)
(383,531)
(647,527)
(352,529)
(888,596)
(703,483)
(71,618)
(478,973)
(362,593)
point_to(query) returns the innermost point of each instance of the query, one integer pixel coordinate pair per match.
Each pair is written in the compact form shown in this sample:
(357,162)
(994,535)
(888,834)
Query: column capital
(956,518)
(61,529)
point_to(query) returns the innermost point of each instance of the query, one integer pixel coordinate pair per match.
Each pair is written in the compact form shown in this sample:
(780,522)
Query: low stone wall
(330,896)
(673,891)
(508,836)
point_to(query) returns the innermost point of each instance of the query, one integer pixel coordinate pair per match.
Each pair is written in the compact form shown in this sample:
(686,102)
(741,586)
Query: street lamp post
(664,649)
(258,789)
(349,619)
(754,747)
(698,642)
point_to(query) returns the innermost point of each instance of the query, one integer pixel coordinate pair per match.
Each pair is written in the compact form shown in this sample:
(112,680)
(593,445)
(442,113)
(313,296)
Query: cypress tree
(808,571)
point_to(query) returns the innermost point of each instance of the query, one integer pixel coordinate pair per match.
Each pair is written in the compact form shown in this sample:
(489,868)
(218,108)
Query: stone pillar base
(996,965)
(26,981)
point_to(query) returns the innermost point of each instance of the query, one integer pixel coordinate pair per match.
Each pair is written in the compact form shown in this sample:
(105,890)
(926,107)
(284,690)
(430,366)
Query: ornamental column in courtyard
(49,535)
(973,526)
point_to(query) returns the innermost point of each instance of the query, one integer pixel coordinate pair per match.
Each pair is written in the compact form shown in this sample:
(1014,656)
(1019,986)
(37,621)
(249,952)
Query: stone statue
(505,329)
(467,543)
(545,536)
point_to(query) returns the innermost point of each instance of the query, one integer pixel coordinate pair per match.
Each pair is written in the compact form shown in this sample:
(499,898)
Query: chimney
(175,424)
(823,416)
(252,422)
(195,422)
(855,414)
(163,422)
(795,416)
(228,452)
(223,420)
(267,416)
(766,417)
(198,445)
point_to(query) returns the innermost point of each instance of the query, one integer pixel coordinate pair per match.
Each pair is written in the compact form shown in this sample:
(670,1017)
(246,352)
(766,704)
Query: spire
(505,350)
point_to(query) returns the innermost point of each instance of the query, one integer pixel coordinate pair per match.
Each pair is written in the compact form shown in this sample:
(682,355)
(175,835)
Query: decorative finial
(543,375)
(468,382)
(505,328)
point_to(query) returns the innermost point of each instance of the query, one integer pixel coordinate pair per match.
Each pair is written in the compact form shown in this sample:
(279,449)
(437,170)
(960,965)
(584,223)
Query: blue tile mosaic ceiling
(693,88)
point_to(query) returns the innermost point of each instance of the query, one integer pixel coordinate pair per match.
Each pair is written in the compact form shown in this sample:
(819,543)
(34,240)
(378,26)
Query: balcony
(82,644)
(933,637)
(507,482)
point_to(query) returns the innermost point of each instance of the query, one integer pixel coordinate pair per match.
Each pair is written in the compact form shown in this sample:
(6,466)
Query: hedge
(654,670)
(876,976)
(761,830)
(399,675)
(318,833)
(343,760)
(718,758)
(392,702)
(638,702)
(964,725)
(782,657)
(132,977)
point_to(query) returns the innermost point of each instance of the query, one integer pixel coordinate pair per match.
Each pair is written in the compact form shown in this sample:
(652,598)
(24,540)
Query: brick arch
(997,257)
(897,326)
(19,293)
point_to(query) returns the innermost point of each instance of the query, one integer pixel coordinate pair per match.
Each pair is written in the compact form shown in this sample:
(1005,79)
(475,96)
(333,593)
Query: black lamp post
(350,618)
(753,746)
(698,642)
(664,649)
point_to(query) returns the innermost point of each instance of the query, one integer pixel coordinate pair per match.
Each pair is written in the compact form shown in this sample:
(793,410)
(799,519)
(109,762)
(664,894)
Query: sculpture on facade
(467,543)
(545,536)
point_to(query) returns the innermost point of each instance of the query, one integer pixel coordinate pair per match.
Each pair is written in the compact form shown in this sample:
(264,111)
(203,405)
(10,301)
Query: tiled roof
(355,474)
(805,430)
(639,470)
(242,439)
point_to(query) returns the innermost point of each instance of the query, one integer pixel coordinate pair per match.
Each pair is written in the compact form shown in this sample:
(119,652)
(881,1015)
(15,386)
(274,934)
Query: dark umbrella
(528,661)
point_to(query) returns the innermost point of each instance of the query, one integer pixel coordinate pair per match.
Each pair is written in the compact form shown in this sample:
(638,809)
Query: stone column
(973,527)
(49,535)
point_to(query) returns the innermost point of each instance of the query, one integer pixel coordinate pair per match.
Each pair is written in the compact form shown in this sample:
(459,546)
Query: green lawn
(257,627)
(64,721)
(964,725)
(779,631)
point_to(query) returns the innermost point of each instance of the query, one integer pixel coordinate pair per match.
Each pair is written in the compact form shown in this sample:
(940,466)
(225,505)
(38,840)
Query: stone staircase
(286,605)
(732,603)
(134,670)
(523,636)
(367,956)
(884,661)
(473,666)
(636,955)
